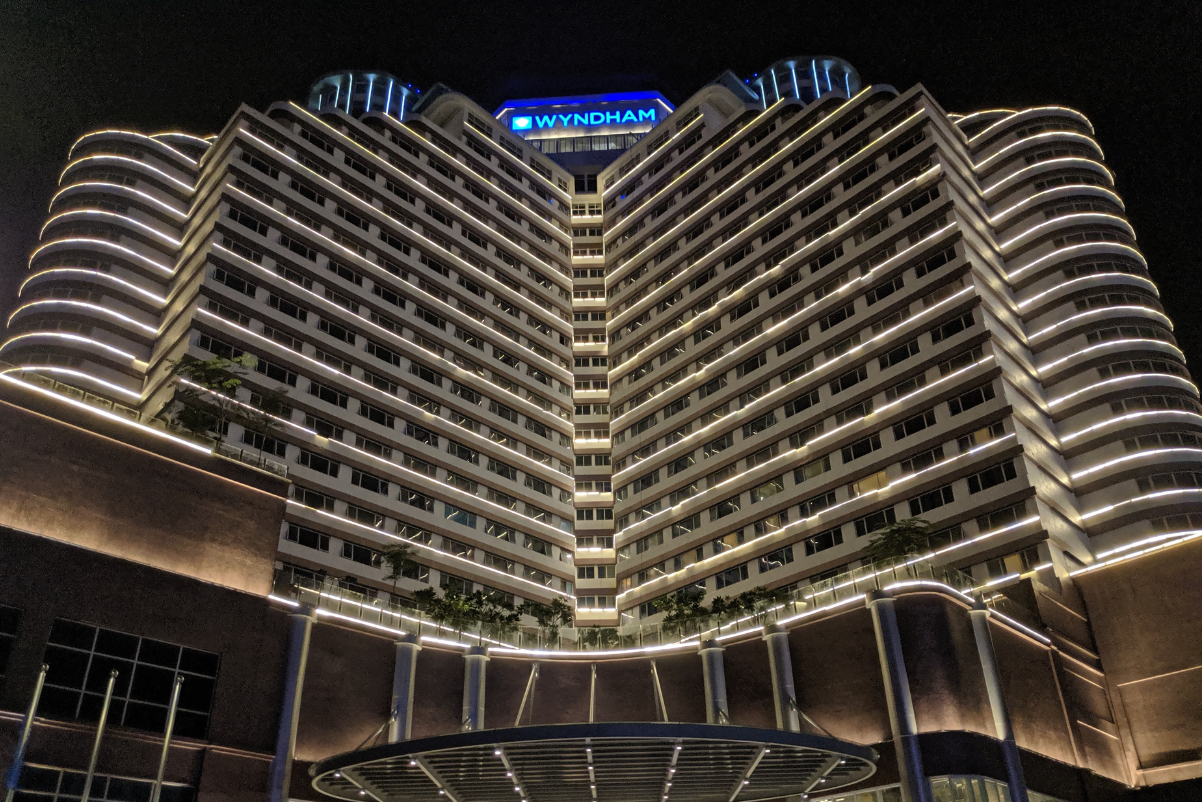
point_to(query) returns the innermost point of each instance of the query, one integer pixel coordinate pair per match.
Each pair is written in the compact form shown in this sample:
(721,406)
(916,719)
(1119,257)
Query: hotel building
(605,348)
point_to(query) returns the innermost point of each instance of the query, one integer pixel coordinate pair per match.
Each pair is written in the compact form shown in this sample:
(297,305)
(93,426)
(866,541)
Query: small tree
(263,417)
(549,616)
(204,400)
(899,540)
(398,558)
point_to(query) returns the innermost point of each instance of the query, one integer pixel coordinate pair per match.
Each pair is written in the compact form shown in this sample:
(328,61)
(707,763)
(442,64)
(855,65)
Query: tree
(204,401)
(399,560)
(549,616)
(262,417)
(681,606)
(899,540)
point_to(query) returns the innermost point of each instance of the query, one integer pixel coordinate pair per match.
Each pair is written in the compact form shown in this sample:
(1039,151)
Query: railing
(403,614)
(243,455)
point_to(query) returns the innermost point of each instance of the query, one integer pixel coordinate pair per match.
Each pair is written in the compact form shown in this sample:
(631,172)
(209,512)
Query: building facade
(604,349)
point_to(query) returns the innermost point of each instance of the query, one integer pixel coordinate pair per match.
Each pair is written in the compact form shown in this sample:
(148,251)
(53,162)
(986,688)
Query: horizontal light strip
(1162,542)
(1120,380)
(96,274)
(1080,352)
(746,546)
(116,388)
(151,330)
(1056,221)
(136,134)
(1197,452)
(122,217)
(102,244)
(1071,319)
(120,189)
(1176,491)
(431,549)
(1123,418)
(1060,161)
(1027,140)
(1105,277)
(1063,189)
(135,162)
(107,415)
(61,335)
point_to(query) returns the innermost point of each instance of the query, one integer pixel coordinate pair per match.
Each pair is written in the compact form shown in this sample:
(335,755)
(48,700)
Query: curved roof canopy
(611,762)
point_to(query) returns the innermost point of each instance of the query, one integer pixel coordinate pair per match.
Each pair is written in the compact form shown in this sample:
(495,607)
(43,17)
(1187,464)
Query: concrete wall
(147,499)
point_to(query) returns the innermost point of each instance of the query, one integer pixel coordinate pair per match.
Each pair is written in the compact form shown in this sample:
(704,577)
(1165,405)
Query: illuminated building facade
(606,348)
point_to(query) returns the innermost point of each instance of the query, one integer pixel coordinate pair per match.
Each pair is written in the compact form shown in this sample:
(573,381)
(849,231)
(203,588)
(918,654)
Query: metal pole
(659,692)
(14,771)
(158,781)
(914,784)
(784,693)
(404,677)
(714,674)
(592,696)
(294,683)
(997,703)
(517,721)
(475,661)
(104,714)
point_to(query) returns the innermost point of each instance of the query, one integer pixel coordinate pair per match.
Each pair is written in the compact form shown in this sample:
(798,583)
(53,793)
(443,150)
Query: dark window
(932,500)
(823,541)
(10,617)
(990,477)
(913,425)
(974,397)
(81,656)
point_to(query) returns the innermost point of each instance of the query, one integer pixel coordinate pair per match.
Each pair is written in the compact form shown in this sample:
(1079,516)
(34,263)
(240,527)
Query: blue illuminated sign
(543,122)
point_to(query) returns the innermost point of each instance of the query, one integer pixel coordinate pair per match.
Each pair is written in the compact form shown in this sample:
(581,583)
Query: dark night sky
(1134,69)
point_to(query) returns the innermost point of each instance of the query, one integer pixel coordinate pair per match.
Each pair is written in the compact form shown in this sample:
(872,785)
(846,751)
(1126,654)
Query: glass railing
(403,614)
(246,456)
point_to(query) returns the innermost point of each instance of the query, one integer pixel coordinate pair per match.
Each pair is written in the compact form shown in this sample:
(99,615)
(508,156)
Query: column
(294,681)
(997,703)
(474,661)
(716,709)
(784,694)
(914,784)
(404,675)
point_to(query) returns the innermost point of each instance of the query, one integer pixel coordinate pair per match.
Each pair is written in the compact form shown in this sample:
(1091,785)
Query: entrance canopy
(612,762)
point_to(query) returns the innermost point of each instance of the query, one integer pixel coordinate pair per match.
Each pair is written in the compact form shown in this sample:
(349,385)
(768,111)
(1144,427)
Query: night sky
(1134,69)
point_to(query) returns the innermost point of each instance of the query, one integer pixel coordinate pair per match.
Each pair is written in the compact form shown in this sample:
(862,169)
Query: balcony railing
(403,614)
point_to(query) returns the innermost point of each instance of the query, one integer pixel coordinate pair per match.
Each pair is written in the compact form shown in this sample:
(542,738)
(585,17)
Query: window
(861,448)
(972,398)
(81,656)
(812,469)
(899,354)
(328,394)
(814,505)
(768,489)
(463,452)
(725,507)
(369,482)
(416,499)
(951,327)
(376,415)
(874,521)
(992,476)
(823,541)
(776,559)
(460,516)
(931,501)
(849,379)
(361,554)
(731,576)
(914,425)
(317,462)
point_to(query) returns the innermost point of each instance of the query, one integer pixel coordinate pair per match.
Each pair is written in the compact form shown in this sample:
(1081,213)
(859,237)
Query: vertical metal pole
(784,693)
(714,673)
(158,781)
(14,771)
(914,784)
(997,703)
(294,683)
(474,661)
(517,721)
(592,696)
(404,677)
(659,692)
(104,714)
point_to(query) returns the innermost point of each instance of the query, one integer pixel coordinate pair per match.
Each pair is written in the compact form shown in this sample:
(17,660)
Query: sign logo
(544,122)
